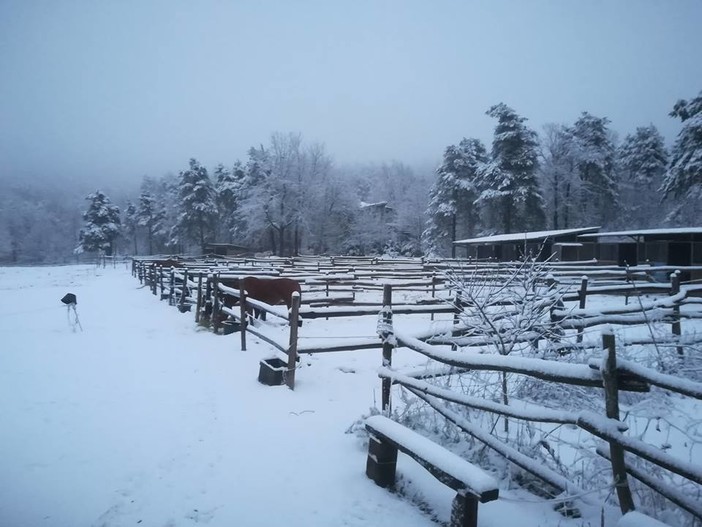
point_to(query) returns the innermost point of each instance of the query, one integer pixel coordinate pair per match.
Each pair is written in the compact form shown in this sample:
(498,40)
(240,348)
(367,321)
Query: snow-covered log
(521,460)
(577,374)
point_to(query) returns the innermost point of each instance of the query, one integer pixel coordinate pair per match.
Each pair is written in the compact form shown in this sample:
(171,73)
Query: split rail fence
(330,288)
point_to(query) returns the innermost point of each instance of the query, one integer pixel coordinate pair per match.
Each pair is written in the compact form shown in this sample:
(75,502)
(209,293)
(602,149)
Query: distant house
(562,244)
(380,210)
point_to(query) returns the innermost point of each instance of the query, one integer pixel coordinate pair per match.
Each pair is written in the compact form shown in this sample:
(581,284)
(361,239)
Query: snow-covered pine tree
(150,215)
(252,194)
(595,154)
(228,186)
(451,211)
(642,160)
(131,223)
(508,182)
(684,177)
(102,225)
(198,208)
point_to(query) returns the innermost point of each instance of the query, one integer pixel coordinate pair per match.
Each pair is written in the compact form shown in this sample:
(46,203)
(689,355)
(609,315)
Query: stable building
(672,247)
(563,245)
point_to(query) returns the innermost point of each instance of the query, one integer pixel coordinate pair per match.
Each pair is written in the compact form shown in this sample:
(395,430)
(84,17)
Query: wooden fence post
(582,297)
(160,280)
(292,349)
(171,287)
(387,346)
(458,303)
(433,289)
(152,274)
(183,291)
(244,321)
(609,379)
(215,302)
(206,316)
(198,306)
(674,290)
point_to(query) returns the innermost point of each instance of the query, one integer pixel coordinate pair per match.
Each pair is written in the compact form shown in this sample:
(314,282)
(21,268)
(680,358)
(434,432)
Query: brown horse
(272,291)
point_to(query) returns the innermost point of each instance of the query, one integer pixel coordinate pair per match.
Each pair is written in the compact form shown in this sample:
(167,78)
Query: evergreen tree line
(289,198)
(572,176)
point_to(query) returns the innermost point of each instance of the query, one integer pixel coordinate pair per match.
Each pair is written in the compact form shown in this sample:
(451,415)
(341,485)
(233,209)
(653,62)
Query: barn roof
(658,233)
(525,236)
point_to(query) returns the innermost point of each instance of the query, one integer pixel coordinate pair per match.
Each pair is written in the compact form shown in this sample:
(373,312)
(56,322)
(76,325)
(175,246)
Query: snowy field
(145,419)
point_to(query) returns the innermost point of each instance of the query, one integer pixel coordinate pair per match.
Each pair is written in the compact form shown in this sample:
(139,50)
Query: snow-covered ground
(143,418)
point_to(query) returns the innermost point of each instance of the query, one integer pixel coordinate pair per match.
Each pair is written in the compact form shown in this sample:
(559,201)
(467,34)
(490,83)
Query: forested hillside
(290,197)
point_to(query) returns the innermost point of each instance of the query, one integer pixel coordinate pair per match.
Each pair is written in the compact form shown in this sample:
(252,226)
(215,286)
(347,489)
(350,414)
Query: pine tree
(102,225)
(451,209)
(642,161)
(684,177)
(228,186)
(198,209)
(509,186)
(131,223)
(151,216)
(595,154)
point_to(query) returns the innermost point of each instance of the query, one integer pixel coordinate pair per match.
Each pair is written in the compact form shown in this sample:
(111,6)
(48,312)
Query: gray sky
(112,89)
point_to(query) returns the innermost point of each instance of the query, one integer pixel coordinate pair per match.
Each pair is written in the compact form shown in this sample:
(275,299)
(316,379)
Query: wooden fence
(330,289)
(611,374)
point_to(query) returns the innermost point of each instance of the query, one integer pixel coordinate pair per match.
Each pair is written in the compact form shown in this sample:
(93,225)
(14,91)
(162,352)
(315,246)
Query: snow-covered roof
(646,232)
(365,205)
(525,236)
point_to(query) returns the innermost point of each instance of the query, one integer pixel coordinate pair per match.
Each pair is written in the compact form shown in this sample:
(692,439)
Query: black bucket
(272,372)
(230,326)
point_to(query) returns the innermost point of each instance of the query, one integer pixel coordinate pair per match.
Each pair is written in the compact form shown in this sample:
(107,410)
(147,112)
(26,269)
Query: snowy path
(144,419)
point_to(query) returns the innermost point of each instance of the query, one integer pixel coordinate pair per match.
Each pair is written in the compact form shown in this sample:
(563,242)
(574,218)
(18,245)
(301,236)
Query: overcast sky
(120,89)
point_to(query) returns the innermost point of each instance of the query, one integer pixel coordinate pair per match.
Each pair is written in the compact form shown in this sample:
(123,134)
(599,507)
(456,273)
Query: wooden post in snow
(674,290)
(215,302)
(160,280)
(292,349)
(611,391)
(206,316)
(183,291)
(582,297)
(198,306)
(244,321)
(433,289)
(387,346)
(171,287)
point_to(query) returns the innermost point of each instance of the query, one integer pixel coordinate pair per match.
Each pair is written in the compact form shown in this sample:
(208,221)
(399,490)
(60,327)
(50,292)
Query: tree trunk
(507,214)
(453,236)
(555,202)
(271,232)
